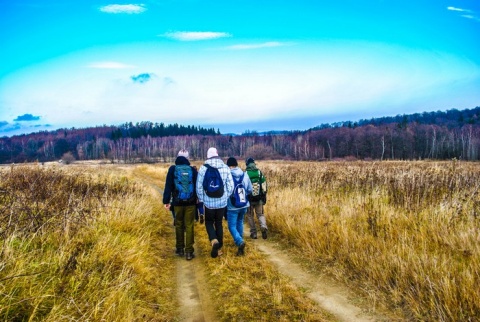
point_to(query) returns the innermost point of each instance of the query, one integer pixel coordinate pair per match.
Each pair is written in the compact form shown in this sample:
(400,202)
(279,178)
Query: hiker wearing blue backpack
(180,193)
(214,187)
(238,204)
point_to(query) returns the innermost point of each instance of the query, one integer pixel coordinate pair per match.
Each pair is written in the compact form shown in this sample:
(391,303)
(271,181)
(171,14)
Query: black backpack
(212,182)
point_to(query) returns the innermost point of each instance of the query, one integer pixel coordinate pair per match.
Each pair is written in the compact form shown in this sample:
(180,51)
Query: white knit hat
(212,152)
(183,153)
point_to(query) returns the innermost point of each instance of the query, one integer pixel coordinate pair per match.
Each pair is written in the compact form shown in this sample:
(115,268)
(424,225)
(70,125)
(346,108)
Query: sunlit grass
(95,243)
(106,269)
(408,232)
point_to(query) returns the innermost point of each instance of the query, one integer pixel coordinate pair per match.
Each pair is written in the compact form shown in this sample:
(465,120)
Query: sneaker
(215,248)
(253,235)
(179,252)
(202,219)
(241,249)
(264,233)
(190,256)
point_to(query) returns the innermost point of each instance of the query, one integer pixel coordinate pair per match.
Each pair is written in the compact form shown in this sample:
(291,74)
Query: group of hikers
(214,192)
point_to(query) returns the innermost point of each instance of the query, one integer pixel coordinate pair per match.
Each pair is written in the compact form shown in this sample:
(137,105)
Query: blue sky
(233,65)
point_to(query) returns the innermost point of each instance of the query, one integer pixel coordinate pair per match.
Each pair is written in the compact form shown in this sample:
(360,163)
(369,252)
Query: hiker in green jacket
(258,198)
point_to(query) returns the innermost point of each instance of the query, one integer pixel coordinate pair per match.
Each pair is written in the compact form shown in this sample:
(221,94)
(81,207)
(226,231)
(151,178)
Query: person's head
(212,152)
(232,162)
(183,153)
(249,160)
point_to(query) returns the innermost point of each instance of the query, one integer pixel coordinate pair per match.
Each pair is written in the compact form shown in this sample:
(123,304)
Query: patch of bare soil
(330,295)
(192,291)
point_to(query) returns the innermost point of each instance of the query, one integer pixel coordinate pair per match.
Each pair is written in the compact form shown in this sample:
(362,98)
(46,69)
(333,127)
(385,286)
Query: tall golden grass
(406,232)
(89,243)
(82,245)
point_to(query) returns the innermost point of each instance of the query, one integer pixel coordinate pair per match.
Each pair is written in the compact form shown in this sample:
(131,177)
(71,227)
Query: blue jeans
(235,224)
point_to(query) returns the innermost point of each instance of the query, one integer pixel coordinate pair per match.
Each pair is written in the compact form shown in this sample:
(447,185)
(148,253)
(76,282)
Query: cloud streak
(123,8)
(471,17)
(458,9)
(469,14)
(195,35)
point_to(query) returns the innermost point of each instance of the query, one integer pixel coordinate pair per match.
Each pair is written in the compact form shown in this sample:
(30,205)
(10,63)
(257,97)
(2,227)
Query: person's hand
(202,219)
(167,206)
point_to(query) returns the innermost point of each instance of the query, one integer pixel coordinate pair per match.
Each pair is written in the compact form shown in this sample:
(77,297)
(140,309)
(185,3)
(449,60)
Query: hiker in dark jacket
(184,209)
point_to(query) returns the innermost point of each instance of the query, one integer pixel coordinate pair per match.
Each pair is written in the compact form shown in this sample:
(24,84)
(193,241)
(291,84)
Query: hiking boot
(190,256)
(179,252)
(215,248)
(264,233)
(241,249)
(253,235)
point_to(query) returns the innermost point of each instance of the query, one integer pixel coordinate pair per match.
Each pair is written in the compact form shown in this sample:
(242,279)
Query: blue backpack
(239,195)
(183,179)
(212,182)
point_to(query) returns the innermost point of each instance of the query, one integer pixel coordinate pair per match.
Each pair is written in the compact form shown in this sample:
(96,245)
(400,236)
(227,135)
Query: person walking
(238,204)
(258,198)
(214,187)
(180,193)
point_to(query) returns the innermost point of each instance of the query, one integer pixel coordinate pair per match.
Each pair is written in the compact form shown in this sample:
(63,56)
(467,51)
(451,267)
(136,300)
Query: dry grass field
(93,242)
(408,233)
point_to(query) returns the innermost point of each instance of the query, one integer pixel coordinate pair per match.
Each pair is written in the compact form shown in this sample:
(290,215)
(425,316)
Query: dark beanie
(249,160)
(232,162)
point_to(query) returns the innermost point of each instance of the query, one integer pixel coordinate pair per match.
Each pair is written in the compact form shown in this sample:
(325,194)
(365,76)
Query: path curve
(327,293)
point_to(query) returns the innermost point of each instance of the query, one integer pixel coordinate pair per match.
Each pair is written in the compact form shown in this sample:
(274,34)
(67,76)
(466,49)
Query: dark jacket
(170,192)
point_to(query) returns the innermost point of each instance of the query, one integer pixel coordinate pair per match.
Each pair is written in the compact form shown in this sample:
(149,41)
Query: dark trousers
(213,224)
(184,223)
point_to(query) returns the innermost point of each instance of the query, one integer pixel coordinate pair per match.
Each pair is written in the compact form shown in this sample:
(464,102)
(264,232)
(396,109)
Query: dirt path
(193,296)
(329,295)
(192,291)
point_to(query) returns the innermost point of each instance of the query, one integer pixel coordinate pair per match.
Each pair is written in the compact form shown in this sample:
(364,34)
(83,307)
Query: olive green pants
(184,227)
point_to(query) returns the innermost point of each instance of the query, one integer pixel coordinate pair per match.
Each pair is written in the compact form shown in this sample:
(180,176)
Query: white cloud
(471,17)
(255,46)
(195,35)
(458,9)
(109,65)
(123,8)
(469,14)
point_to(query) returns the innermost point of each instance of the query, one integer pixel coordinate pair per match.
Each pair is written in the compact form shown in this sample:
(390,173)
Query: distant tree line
(434,135)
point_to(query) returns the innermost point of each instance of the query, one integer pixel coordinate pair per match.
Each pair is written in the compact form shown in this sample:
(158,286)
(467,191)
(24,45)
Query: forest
(440,135)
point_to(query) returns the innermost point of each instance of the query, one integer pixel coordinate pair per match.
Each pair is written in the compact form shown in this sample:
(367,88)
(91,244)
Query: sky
(233,65)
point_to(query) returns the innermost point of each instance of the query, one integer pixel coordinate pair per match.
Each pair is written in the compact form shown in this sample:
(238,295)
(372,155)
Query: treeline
(433,135)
